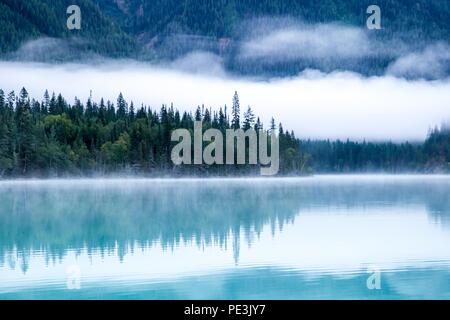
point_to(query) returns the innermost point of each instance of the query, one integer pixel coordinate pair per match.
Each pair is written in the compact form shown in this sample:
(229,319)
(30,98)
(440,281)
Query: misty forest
(102,198)
(52,137)
(55,138)
(165,30)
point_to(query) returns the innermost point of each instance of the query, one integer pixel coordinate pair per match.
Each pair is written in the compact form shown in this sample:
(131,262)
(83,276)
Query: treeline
(432,156)
(54,138)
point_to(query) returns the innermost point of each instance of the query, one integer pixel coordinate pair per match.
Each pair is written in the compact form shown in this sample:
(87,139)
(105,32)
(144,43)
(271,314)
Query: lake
(321,237)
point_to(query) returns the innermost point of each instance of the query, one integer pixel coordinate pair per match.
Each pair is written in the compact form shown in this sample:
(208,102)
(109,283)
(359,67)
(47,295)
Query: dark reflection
(113,215)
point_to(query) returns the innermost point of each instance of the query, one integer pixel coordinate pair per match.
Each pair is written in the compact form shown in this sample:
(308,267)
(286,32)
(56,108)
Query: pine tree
(25,137)
(52,107)
(273,126)
(6,152)
(198,114)
(222,120)
(10,101)
(249,118)
(131,114)
(235,112)
(102,112)
(60,104)
(121,107)
(46,100)
(2,102)
(6,146)
(258,125)
(207,118)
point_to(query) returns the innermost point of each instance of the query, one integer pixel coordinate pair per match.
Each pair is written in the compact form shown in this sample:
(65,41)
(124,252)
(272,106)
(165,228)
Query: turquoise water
(324,237)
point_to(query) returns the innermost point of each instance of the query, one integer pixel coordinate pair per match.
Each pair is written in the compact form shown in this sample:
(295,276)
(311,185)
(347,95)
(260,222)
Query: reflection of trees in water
(438,205)
(54,218)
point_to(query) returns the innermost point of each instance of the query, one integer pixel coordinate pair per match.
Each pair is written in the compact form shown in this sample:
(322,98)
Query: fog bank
(314,105)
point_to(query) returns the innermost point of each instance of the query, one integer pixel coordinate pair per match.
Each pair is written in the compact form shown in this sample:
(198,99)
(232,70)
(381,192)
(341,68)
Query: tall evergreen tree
(198,114)
(258,125)
(236,112)
(273,126)
(2,104)
(121,107)
(25,134)
(6,137)
(249,118)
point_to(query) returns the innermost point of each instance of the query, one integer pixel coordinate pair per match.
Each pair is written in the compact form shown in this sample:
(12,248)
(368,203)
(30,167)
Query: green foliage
(222,18)
(117,152)
(235,112)
(23,20)
(61,127)
(7,137)
(54,138)
(167,29)
(438,147)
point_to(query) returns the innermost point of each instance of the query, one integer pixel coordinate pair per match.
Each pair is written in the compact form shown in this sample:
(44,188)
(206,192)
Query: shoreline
(318,177)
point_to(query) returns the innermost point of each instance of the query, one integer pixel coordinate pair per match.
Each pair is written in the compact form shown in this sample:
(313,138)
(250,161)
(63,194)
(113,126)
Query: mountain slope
(169,30)
(422,19)
(31,19)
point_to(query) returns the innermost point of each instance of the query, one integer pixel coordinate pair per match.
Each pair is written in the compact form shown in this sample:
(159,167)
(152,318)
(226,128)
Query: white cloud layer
(316,105)
(432,62)
(320,41)
(200,62)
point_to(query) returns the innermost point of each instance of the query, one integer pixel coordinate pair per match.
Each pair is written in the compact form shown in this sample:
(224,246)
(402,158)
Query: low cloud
(322,41)
(290,45)
(431,63)
(313,104)
(200,62)
(269,46)
(53,49)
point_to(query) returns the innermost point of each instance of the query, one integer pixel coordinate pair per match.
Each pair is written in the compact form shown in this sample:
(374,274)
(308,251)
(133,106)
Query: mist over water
(313,104)
(311,238)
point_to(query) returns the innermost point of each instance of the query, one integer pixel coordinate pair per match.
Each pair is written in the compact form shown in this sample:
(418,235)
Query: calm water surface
(322,237)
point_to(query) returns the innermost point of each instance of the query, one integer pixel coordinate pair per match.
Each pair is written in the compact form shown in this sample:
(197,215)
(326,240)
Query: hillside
(166,30)
(420,19)
(23,21)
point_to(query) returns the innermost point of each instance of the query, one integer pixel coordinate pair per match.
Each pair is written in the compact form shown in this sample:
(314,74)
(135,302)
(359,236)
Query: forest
(53,138)
(166,30)
(22,21)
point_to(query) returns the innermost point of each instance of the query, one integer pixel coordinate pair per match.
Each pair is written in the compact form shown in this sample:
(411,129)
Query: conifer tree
(25,136)
(235,112)
(273,126)
(121,107)
(249,118)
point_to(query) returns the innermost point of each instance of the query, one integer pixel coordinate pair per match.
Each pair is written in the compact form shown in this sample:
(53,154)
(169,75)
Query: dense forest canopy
(54,138)
(164,30)
(26,20)
(423,18)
